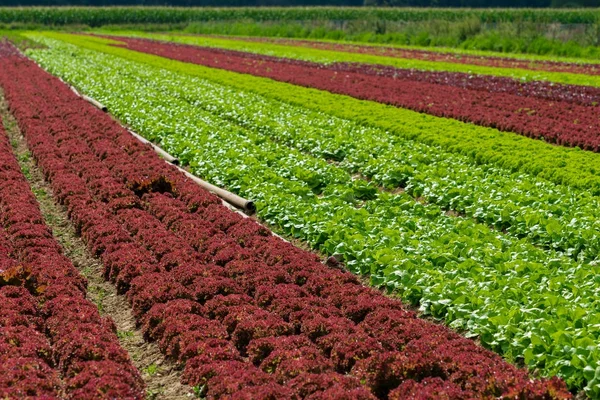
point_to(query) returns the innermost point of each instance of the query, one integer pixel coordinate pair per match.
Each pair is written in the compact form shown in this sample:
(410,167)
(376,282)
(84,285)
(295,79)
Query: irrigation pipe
(231,198)
(94,102)
(241,203)
(161,152)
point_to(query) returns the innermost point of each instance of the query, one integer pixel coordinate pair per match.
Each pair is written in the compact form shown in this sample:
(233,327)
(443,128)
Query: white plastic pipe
(95,103)
(243,204)
(232,198)
(161,152)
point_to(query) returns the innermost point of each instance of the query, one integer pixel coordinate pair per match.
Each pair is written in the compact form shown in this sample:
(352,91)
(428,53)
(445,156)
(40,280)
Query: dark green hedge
(98,16)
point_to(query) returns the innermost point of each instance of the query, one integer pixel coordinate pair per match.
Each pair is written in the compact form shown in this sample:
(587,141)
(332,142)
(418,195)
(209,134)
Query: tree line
(354,3)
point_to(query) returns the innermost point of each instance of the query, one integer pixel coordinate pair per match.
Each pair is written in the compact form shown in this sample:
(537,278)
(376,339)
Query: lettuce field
(427,222)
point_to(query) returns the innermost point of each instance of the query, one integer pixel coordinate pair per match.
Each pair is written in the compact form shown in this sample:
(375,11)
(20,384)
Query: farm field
(427,220)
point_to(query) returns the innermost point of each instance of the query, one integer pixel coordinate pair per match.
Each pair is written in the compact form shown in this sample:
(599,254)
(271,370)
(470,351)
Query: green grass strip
(331,56)
(442,50)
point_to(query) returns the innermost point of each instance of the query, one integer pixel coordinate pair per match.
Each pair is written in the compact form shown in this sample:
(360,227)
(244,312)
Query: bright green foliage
(467,34)
(457,52)
(17,39)
(532,305)
(330,56)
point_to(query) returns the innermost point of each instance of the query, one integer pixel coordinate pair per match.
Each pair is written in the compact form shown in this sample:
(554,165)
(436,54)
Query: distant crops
(167,15)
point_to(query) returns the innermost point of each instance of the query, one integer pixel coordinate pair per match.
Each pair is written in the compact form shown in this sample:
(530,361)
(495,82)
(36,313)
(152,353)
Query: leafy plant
(151,369)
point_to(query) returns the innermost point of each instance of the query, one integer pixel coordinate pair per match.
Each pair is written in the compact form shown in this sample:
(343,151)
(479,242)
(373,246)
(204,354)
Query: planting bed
(331,56)
(53,341)
(244,313)
(559,114)
(161,377)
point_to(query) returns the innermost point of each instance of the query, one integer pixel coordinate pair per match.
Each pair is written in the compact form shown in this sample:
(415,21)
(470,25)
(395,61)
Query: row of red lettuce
(559,114)
(53,341)
(428,55)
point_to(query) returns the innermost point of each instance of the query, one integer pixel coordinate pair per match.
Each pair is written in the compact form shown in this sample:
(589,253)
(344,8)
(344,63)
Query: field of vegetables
(442,209)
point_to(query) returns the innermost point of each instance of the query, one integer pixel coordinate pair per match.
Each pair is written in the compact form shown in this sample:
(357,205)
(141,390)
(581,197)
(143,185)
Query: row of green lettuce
(332,56)
(532,305)
(550,216)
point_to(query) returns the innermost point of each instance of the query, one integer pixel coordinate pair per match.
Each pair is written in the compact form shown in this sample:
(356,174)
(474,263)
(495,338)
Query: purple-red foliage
(220,306)
(183,330)
(154,288)
(153,322)
(562,114)
(27,377)
(214,349)
(492,61)
(257,325)
(247,384)
(226,378)
(38,345)
(329,386)
(205,288)
(21,341)
(345,350)
(104,379)
(18,307)
(199,370)
(385,371)
(315,326)
(88,342)
(429,389)
(286,364)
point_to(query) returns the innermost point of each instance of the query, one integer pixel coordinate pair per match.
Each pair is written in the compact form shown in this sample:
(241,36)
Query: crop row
(542,90)
(560,165)
(440,55)
(555,121)
(329,56)
(446,264)
(53,341)
(521,205)
(214,288)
